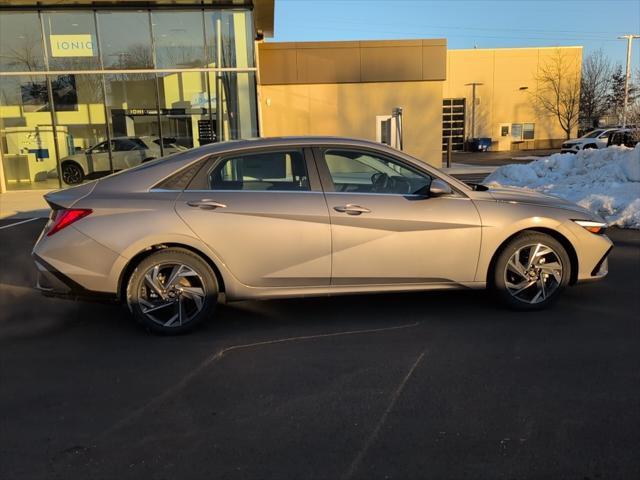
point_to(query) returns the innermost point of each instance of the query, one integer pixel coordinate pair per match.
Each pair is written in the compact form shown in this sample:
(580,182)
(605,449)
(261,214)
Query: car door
(264,215)
(386,230)
(127,153)
(98,159)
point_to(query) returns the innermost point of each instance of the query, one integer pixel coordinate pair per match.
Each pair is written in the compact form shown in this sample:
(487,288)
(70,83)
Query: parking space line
(374,434)
(220,354)
(18,223)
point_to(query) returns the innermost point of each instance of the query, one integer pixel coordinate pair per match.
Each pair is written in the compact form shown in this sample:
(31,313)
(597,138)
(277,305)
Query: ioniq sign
(71,45)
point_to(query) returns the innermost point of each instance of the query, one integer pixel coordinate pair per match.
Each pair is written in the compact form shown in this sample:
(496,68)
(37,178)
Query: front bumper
(600,270)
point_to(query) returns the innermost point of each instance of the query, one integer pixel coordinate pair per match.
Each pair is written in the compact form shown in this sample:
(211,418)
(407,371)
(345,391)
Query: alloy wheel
(171,294)
(71,175)
(533,273)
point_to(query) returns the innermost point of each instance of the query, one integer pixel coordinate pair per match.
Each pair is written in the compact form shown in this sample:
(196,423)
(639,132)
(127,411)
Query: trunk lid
(67,197)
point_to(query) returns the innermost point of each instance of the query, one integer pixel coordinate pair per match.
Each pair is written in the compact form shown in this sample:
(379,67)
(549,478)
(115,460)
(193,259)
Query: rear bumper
(53,283)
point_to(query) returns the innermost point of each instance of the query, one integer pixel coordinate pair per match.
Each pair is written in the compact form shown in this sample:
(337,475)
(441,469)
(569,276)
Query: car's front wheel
(172,291)
(531,271)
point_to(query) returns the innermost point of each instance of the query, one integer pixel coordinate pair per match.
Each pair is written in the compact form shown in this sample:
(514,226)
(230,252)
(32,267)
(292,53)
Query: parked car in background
(126,152)
(598,138)
(628,137)
(302,216)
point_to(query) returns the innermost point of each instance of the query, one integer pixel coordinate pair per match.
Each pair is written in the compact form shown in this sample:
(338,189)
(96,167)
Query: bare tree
(594,88)
(26,54)
(558,90)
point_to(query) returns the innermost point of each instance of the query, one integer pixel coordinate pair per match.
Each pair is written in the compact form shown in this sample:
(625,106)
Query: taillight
(65,217)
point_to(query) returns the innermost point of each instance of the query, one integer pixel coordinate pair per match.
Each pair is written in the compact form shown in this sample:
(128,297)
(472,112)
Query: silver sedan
(287,217)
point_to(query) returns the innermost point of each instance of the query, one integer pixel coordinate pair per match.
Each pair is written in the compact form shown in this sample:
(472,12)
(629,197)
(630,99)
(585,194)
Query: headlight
(593,227)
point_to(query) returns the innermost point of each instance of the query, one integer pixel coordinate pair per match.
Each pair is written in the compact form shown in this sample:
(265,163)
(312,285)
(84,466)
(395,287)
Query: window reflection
(133,116)
(26,134)
(229,38)
(125,40)
(179,39)
(236,103)
(185,110)
(84,127)
(20,42)
(70,38)
(110,120)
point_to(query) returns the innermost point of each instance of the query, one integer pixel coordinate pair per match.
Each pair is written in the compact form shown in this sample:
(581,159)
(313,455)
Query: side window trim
(199,182)
(327,179)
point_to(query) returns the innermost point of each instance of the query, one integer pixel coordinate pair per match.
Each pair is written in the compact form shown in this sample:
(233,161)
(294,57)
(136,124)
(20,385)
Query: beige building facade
(504,108)
(345,88)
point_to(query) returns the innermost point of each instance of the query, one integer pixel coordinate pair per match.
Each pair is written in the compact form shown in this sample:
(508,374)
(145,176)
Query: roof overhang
(290,63)
(263,9)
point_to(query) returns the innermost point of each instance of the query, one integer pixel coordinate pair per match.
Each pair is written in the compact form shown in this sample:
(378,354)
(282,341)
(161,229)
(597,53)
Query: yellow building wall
(509,82)
(350,110)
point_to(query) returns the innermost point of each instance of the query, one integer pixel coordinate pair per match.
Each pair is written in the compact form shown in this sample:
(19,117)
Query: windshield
(593,134)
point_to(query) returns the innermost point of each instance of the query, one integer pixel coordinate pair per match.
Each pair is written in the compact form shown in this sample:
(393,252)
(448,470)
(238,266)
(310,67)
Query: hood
(528,197)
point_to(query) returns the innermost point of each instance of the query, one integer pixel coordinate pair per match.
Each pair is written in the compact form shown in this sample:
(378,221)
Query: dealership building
(108,84)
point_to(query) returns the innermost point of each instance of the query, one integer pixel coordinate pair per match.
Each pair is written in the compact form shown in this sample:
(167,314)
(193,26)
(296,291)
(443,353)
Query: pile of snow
(605,181)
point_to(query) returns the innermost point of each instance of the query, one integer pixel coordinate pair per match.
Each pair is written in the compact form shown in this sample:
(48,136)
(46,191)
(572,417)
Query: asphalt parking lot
(437,385)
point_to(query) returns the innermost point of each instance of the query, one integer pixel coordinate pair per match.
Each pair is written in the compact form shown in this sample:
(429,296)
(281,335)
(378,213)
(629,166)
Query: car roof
(310,140)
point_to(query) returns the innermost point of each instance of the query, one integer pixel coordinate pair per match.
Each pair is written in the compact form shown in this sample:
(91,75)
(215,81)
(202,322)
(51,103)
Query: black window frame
(200,181)
(327,180)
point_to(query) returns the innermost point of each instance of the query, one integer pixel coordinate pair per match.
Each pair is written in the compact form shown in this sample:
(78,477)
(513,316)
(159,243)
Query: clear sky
(594,24)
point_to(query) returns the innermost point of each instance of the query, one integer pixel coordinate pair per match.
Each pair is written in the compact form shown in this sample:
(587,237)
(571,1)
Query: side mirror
(439,188)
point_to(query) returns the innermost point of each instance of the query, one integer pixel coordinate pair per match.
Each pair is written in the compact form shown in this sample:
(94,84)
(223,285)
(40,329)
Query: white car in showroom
(598,138)
(126,152)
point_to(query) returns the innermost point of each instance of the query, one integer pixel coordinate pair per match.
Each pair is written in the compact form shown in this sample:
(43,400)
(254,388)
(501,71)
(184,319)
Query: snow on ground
(606,181)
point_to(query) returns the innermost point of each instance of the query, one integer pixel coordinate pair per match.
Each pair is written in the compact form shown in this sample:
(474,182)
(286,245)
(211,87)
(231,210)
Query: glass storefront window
(106,120)
(133,117)
(26,134)
(20,42)
(229,38)
(179,39)
(125,40)
(84,127)
(70,39)
(236,102)
(185,109)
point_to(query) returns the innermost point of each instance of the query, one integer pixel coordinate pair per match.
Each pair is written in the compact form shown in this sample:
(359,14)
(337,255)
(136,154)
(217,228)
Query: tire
(531,286)
(178,306)
(590,147)
(72,173)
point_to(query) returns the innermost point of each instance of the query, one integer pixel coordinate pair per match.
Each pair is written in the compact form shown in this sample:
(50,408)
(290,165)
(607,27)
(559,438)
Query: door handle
(206,204)
(352,209)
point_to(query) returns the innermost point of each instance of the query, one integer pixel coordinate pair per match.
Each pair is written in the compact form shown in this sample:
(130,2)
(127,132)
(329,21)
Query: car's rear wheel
(72,173)
(172,291)
(531,271)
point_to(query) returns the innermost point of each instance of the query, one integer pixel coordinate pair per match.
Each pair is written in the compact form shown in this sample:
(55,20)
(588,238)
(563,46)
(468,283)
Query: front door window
(362,172)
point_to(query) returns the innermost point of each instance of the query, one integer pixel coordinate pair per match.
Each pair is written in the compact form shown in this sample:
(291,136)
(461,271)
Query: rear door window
(267,171)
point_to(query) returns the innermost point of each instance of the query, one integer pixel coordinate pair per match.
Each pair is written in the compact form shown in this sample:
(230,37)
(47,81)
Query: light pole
(473,106)
(629,38)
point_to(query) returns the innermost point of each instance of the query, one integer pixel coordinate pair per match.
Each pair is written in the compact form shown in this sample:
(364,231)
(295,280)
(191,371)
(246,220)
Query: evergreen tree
(616,94)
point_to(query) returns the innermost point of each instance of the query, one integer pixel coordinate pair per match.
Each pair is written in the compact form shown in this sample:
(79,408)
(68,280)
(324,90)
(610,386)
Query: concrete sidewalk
(23,204)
